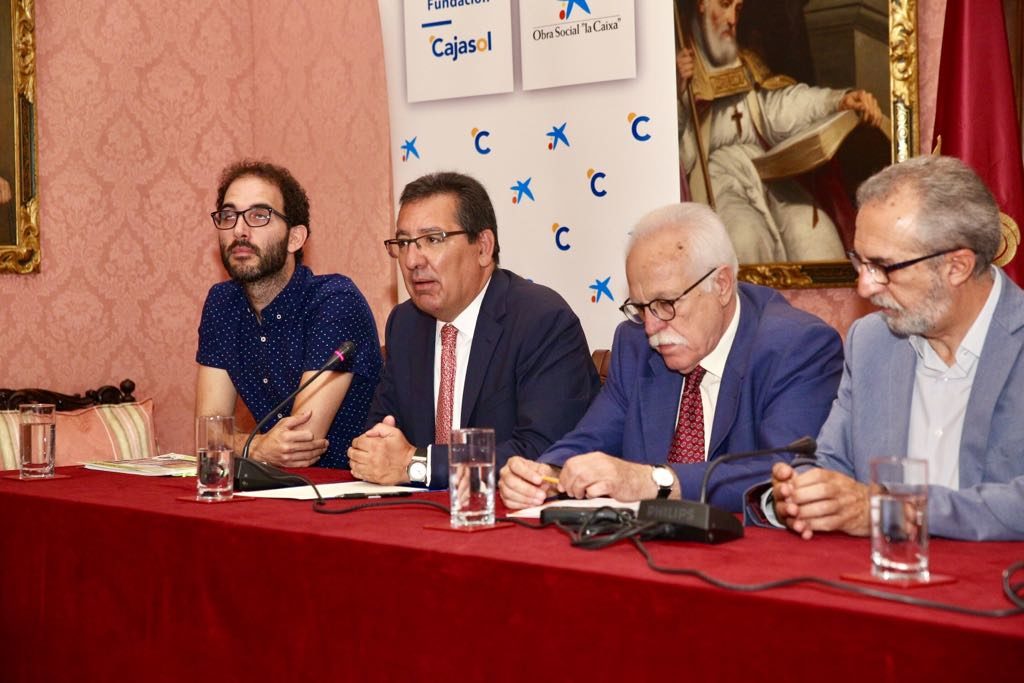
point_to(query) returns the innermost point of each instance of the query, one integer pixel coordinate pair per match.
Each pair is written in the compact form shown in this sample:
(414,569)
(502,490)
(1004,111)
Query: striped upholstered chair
(103,424)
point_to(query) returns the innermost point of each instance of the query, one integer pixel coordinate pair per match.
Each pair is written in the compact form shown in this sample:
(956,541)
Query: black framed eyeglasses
(425,243)
(880,273)
(254,217)
(662,309)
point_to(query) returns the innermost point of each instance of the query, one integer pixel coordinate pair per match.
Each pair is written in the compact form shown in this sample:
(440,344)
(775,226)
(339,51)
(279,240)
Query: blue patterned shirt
(299,331)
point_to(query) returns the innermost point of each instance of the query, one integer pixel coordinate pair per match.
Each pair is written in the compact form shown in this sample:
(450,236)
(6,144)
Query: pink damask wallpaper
(140,106)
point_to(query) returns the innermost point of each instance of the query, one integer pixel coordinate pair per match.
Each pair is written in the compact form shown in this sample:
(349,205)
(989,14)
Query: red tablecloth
(109,577)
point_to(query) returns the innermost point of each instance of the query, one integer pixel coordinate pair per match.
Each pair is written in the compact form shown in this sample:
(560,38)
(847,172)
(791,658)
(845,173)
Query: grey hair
(955,209)
(706,237)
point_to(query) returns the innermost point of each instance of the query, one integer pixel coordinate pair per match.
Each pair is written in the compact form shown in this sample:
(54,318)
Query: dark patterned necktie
(688,443)
(446,393)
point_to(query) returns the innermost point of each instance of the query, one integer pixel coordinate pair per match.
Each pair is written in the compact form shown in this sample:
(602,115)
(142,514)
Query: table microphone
(687,520)
(259,476)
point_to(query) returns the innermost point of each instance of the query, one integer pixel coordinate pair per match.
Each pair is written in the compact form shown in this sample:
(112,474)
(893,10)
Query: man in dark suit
(475,346)
(699,355)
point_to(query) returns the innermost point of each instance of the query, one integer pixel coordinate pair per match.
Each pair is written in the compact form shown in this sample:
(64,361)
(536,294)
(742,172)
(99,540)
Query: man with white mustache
(744,110)
(936,374)
(700,354)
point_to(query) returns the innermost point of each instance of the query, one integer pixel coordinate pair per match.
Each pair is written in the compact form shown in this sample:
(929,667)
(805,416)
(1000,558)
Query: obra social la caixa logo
(576,20)
(568,6)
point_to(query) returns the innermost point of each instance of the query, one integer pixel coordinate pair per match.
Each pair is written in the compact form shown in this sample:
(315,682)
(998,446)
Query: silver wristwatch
(417,469)
(663,477)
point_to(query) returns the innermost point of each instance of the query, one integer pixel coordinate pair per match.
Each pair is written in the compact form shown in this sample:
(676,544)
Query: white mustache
(666,337)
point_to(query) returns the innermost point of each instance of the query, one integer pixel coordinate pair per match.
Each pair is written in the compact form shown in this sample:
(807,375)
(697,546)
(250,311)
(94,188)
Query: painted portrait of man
(761,145)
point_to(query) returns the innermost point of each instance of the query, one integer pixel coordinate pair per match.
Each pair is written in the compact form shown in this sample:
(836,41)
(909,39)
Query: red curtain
(976,112)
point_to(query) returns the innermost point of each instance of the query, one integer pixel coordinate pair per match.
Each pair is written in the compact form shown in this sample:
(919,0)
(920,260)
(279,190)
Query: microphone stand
(260,476)
(687,520)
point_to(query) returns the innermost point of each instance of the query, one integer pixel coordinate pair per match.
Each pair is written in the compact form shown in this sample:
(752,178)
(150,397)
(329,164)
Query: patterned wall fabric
(140,106)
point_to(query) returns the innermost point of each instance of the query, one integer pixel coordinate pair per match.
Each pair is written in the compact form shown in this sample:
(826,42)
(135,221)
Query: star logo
(557,135)
(522,189)
(601,287)
(567,12)
(409,149)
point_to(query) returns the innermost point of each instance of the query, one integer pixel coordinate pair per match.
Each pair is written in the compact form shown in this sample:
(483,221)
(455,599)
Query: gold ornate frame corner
(903,74)
(903,78)
(24,255)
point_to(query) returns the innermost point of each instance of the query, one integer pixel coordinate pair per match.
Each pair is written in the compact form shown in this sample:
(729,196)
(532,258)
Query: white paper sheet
(355,489)
(594,503)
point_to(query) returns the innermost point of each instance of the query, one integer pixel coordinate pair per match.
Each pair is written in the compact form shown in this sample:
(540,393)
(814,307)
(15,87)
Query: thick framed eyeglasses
(662,309)
(880,273)
(254,217)
(425,243)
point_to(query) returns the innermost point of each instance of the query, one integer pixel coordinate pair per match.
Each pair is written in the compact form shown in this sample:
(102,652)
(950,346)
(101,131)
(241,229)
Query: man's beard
(268,263)
(721,49)
(934,306)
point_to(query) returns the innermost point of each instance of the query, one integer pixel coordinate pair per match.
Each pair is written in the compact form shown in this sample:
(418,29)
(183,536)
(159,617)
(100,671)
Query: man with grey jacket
(937,373)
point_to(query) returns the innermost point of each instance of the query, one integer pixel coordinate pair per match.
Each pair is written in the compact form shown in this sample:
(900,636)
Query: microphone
(259,476)
(687,520)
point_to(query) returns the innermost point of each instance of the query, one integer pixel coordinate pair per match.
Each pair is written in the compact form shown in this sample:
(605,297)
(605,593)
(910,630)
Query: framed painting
(785,107)
(19,201)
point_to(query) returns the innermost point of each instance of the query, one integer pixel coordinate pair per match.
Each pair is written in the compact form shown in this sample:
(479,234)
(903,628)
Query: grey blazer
(871,417)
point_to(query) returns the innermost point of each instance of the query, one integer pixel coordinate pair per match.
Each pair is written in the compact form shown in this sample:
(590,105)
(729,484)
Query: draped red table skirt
(109,577)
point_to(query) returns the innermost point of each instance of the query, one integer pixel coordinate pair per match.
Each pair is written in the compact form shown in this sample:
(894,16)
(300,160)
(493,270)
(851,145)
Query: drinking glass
(471,477)
(215,436)
(899,519)
(37,437)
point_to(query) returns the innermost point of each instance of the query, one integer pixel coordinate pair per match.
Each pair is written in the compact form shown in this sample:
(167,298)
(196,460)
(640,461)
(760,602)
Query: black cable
(616,524)
(523,522)
(320,506)
(1011,591)
(319,498)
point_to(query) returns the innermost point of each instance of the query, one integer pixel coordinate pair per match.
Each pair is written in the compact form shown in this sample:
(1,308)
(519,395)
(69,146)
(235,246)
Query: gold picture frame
(19,239)
(903,110)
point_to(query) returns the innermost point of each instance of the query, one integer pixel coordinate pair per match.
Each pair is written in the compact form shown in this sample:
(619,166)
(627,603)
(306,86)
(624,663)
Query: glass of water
(37,440)
(471,477)
(899,519)
(215,438)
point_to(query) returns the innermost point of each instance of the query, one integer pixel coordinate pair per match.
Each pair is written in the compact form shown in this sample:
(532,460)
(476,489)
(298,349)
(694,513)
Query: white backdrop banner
(457,49)
(575,46)
(569,168)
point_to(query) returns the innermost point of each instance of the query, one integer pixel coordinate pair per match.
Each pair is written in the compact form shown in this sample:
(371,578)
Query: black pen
(388,494)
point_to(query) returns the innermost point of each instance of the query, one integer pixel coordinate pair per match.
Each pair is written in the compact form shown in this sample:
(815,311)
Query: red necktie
(688,443)
(446,393)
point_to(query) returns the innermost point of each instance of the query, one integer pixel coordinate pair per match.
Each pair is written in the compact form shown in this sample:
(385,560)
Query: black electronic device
(259,476)
(687,520)
(577,516)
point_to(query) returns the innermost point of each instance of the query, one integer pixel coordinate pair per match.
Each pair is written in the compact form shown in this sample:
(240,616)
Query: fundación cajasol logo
(453,47)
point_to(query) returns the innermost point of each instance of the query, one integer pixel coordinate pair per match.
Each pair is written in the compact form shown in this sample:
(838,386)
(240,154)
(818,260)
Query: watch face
(418,472)
(662,476)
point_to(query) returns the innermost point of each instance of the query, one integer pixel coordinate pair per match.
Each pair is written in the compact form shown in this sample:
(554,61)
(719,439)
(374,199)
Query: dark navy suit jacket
(780,380)
(530,376)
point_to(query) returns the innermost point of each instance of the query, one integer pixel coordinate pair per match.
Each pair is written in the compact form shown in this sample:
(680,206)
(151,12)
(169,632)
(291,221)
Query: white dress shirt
(465,323)
(941,393)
